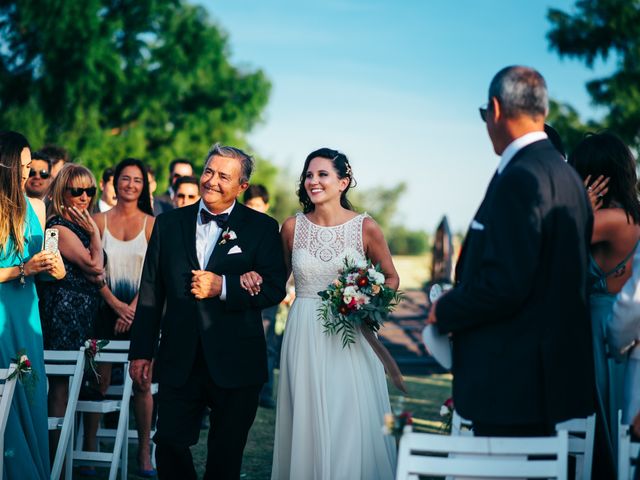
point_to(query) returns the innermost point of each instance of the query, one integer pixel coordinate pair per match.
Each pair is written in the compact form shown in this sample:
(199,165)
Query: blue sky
(396,86)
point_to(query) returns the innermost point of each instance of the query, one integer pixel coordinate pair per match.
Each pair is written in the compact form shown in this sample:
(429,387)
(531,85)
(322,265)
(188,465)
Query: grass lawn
(426,395)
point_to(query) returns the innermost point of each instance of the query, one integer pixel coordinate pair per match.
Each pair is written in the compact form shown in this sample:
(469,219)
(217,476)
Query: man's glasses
(43,174)
(184,196)
(77,192)
(483,112)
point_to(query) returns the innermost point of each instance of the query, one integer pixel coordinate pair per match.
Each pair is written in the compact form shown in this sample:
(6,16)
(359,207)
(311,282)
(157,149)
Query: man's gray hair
(520,91)
(246,162)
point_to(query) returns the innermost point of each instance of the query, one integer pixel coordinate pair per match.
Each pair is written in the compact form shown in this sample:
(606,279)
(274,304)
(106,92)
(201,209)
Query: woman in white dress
(331,400)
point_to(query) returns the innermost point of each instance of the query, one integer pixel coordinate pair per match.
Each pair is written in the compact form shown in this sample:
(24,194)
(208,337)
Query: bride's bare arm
(286,233)
(377,250)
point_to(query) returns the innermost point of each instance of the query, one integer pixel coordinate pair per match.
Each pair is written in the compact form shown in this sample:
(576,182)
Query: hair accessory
(5,166)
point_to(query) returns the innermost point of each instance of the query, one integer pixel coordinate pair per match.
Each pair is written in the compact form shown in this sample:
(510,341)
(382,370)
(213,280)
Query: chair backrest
(7,387)
(461,426)
(628,451)
(116,351)
(482,457)
(581,437)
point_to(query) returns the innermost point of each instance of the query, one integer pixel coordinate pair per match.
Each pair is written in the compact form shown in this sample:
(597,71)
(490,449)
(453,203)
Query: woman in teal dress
(26,452)
(609,170)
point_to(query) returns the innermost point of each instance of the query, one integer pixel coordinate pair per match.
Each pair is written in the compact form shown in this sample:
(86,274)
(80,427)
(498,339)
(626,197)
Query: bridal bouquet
(357,297)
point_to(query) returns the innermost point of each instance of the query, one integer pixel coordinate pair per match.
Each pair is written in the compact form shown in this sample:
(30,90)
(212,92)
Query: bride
(331,400)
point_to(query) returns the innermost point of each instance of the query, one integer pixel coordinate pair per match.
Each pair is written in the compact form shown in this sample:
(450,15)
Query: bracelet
(21,268)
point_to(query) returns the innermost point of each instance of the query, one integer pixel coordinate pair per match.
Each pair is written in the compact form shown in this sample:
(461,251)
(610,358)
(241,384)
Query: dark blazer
(519,313)
(230,332)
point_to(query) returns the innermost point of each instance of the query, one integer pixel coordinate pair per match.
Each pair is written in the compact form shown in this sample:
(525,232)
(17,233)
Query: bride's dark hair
(342,168)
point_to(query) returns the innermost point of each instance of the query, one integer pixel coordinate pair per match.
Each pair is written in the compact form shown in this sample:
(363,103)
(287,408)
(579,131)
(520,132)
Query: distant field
(413,270)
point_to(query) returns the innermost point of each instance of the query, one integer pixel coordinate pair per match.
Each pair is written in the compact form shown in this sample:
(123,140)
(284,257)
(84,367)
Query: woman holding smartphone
(68,307)
(21,258)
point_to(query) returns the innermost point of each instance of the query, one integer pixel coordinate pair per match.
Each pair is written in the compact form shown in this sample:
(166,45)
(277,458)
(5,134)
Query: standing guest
(39,176)
(58,155)
(26,447)
(159,205)
(180,167)
(608,169)
(212,351)
(321,383)
(257,198)
(125,231)
(187,191)
(108,198)
(68,307)
(519,314)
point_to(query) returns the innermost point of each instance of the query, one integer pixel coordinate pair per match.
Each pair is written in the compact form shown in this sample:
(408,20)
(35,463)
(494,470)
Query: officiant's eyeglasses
(483,112)
(43,173)
(77,192)
(184,195)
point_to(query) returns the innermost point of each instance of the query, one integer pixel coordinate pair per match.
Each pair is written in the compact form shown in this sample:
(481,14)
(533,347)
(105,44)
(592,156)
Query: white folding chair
(7,388)
(65,364)
(581,433)
(116,459)
(116,391)
(482,457)
(627,451)
(461,426)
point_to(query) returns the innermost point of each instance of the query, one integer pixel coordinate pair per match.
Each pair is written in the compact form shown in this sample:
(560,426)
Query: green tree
(115,78)
(599,29)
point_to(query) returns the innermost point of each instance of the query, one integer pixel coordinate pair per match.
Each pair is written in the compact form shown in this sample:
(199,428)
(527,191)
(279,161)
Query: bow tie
(207,217)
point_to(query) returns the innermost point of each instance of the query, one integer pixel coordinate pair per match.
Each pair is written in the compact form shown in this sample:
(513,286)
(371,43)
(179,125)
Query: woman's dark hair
(605,154)
(342,168)
(13,204)
(144,202)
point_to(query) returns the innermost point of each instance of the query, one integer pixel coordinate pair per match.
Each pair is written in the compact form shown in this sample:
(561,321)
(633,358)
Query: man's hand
(635,424)
(205,284)
(431,319)
(139,371)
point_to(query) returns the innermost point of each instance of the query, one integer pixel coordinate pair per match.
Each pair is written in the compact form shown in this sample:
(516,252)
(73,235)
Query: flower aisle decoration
(92,347)
(358,297)
(446,412)
(24,373)
(227,236)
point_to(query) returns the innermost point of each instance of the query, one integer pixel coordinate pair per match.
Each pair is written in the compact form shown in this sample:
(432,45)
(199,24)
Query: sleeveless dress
(26,447)
(124,269)
(331,400)
(69,306)
(609,372)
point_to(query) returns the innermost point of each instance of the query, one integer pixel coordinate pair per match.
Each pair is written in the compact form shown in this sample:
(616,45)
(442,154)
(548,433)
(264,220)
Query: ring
(589,189)
(600,196)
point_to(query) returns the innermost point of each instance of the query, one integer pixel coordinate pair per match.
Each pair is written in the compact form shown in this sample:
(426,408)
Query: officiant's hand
(139,371)
(431,319)
(205,284)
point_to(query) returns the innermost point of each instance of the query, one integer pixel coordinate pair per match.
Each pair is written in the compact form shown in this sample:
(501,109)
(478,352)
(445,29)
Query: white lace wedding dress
(331,400)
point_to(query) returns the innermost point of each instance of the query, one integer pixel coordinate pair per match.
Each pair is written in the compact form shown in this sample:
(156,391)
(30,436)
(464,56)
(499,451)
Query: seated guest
(58,155)
(187,191)
(68,307)
(108,197)
(39,176)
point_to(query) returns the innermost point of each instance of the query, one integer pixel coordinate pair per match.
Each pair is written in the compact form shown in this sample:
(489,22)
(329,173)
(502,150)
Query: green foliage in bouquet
(358,297)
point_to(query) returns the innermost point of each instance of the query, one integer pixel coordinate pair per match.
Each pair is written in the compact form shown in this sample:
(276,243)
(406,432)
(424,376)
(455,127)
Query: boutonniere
(226,236)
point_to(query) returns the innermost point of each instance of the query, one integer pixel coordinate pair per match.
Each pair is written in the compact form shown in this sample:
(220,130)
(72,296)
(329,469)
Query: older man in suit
(518,315)
(212,352)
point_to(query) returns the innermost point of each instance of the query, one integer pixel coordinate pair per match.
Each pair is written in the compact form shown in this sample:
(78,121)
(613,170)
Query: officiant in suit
(212,350)
(519,315)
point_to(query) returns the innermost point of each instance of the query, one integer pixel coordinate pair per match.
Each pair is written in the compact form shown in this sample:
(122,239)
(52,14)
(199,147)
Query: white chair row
(482,457)
(628,451)
(581,432)
(7,387)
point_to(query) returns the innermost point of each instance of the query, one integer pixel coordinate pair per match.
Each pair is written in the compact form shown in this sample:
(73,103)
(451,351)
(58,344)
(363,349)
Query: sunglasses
(184,195)
(77,192)
(43,174)
(483,112)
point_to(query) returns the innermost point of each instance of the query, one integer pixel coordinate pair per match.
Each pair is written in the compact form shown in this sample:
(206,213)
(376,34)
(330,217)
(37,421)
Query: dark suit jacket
(519,313)
(230,332)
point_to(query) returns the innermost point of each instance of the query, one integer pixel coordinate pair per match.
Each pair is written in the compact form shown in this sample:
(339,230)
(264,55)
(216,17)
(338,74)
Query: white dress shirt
(207,236)
(103,206)
(517,145)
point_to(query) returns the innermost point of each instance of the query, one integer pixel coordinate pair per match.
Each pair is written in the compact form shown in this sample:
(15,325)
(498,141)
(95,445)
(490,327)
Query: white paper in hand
(439,345)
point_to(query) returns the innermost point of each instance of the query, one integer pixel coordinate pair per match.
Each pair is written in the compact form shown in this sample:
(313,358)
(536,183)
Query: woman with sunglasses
(125,231)
(26,451)
(68,307)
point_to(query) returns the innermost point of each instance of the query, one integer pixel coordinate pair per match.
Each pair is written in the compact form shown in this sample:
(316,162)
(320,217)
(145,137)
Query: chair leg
(68,466)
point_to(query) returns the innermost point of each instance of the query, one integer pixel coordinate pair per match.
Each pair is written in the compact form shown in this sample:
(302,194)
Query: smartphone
(51,240)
